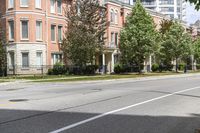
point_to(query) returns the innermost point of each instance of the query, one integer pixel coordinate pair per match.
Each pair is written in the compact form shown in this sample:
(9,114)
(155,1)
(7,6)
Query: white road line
(118,110)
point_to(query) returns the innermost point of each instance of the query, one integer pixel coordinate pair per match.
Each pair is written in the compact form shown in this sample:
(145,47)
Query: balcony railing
(111,45)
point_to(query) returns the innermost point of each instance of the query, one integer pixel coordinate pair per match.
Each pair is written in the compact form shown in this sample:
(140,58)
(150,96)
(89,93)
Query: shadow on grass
(32,121)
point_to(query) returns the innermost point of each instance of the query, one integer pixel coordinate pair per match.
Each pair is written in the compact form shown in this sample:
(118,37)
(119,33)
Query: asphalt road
(169,105)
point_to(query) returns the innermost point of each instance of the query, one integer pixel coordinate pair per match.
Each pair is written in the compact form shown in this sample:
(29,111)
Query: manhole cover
(18,100)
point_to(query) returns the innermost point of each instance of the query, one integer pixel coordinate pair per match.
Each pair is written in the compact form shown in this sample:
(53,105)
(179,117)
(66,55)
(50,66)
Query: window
(11,4)
(112,16)
(11,60)
(11,30)
(39,30)
(60,33)
(116,16)
(39,59)
(52,6)
(53,33)
(37,3)
(56,58)
(116,39)
(25,60)
(24,3)
(59,6)
(112,38)
(24,29)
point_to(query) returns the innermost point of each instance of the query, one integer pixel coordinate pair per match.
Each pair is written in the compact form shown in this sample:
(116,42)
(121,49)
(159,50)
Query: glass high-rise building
(172,8)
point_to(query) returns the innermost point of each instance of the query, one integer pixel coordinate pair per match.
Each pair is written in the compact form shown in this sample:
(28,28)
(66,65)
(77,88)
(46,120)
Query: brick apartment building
(35,28)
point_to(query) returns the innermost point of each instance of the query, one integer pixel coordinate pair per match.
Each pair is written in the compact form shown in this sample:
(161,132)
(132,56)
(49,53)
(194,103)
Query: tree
(3,61)
(86,24)
(137,38)
(165,26)
(196,50)
(176,44)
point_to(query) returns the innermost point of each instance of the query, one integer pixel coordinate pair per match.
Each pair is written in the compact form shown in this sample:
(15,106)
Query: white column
(113,63)
(104,63)
(175,9)
(54,59)
(157,6)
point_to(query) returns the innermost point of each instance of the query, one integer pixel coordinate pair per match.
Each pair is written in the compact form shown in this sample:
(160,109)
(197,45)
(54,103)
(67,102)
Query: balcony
(111,45)
(120,2)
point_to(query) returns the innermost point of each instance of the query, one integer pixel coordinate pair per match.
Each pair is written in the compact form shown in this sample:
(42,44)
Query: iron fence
(50,69)
(89,70)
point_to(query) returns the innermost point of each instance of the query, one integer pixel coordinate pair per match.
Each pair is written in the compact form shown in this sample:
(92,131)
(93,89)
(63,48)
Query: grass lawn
(103,77)
(35,77)
(2,81)
(68,78)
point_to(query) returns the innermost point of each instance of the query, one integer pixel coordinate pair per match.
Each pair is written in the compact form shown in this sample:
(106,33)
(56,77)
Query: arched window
(116,16)
(112,16)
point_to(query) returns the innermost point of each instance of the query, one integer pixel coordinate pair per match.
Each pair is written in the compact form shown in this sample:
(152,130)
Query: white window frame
(10,38)
(54,41)
(11,62)
(25,67)
(41,28)
(116,17)
(40,4)
(60,26)
(56,58)
(112,38)
(60,7)
(112,16)
(24,5)
(53,11)
(10,5)
(41,61)
(21,30)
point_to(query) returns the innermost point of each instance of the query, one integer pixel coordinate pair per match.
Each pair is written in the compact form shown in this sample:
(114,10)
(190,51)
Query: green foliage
(196,50)
(198,66)
(50,71)
(165,26)
(85,35)
(155,67)
(137,38)
(176,44)
(3,43)
(60,69)
(118,68)
(181,66)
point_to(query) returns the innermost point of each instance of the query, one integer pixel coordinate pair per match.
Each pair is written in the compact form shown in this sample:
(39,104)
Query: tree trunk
(176,66)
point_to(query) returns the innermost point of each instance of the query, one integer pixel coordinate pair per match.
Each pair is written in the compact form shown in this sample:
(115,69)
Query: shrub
(86,70)
(50,71)
(181,66)
(198,66)
(58,69)
(168,67)
(155,67)
(89,70)
(118,68)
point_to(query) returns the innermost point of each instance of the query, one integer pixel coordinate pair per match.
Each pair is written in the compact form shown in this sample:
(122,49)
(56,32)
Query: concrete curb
(140,79)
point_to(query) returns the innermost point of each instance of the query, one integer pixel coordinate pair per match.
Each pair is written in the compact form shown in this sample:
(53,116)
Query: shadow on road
(30,121)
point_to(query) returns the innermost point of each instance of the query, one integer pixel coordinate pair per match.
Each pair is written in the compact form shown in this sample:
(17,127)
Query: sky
(191,14)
